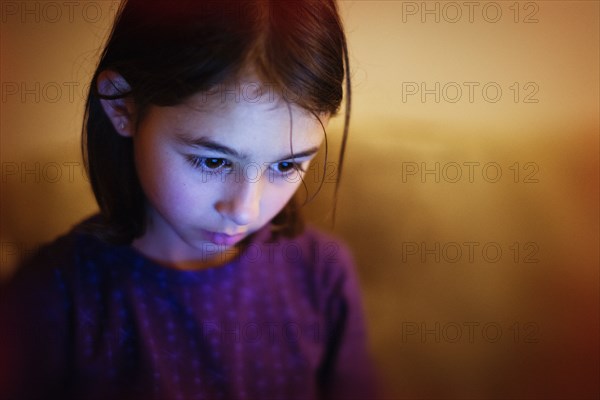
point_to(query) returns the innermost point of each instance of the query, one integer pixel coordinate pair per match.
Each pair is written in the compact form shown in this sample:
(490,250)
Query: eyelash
(200,163)
(226,165)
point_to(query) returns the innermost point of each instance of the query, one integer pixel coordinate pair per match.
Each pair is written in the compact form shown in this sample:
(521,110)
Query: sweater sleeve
(34,332)
(348,372)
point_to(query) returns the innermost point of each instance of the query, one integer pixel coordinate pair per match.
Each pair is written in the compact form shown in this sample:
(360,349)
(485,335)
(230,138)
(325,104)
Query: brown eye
(209,164)
(285,166)
(214,163)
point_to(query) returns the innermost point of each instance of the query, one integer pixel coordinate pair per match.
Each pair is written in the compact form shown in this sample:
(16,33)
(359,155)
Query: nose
(241,204)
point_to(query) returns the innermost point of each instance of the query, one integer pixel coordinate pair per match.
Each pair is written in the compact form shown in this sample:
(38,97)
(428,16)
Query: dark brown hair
(170,50)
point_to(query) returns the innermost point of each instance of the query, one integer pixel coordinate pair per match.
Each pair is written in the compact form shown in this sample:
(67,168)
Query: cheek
(151,168)
(276,197)
(167,181)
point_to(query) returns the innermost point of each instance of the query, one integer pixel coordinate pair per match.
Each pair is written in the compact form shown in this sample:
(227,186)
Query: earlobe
(120,111)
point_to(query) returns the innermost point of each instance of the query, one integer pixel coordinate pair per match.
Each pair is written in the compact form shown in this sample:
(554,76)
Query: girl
(197,279)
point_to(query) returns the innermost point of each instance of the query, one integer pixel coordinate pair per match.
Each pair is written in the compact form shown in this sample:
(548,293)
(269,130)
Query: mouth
(224,239)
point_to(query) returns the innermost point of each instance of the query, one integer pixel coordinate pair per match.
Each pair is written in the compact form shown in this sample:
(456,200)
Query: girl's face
(218,168)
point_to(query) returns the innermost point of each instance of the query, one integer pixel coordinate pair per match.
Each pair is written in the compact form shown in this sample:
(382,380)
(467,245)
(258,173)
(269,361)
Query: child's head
(186,88)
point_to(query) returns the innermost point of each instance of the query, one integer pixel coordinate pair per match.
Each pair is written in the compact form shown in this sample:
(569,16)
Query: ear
(120,111)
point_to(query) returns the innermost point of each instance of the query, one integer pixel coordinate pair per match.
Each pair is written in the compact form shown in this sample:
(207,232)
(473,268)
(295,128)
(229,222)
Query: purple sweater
(88,320)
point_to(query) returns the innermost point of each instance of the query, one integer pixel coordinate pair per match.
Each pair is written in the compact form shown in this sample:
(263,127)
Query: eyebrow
(221,148)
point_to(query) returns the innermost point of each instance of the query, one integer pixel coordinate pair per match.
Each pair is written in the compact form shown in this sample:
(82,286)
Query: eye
(214,163)
(209,164)
(286,168)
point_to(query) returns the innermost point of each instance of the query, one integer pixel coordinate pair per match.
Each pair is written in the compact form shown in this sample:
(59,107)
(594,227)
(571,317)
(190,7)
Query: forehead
(248,110)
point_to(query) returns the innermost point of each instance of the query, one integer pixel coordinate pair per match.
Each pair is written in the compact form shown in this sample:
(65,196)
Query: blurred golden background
(470,186)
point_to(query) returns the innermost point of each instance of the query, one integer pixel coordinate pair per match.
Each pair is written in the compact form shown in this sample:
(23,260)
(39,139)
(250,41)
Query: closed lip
(221,238)
(229,234)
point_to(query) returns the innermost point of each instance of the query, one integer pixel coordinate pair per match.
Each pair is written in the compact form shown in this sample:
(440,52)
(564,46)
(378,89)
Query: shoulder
(312,246)
(52,264)
(315,256)
(43,265)
(37,304)
(330,253)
